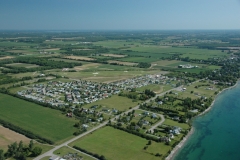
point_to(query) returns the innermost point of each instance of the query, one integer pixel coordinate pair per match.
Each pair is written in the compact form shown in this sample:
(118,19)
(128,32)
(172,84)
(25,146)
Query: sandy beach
(177,147)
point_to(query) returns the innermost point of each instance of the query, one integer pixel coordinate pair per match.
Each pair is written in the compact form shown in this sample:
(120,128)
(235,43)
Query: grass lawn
(46,158)
(175,123)
(116,144)
(66,150)
(46,122)
(117,102)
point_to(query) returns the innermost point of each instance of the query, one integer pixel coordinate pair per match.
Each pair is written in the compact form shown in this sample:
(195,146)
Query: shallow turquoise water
(217,133)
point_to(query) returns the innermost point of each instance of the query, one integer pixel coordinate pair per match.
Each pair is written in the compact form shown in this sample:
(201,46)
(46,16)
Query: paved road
(50,152)
(157,124)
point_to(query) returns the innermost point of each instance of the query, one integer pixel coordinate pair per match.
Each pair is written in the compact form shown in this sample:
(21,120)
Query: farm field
(114,55)
(115,43)
(79,58)
(34,118)
(115,101)
(112,143)
(8,136)
(69,60)
(66,150)
(192,53)
(6,57)
(23,65)
(138,59)
(123,63)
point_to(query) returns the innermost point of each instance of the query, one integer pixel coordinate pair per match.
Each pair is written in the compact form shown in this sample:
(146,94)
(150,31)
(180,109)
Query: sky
(119,14)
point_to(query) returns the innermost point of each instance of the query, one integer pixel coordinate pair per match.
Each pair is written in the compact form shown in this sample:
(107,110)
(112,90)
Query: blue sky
(119,14)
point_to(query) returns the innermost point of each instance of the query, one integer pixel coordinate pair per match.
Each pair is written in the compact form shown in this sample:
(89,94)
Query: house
(160,102)
(114,111)
(171,136)
(54,158)
(85,126)
(154,115)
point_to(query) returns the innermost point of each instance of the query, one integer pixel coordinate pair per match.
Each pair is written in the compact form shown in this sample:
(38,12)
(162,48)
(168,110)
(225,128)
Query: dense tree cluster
(19,151)
(44,64)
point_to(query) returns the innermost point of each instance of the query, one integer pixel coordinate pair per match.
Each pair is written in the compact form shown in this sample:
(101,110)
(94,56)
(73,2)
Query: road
(50,152)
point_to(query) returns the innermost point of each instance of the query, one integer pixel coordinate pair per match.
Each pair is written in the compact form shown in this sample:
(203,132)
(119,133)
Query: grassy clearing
(115,101)
(46,158)
(175,123)
(105,76)
(117,144)
(66,150)
(46,122)
(155,87)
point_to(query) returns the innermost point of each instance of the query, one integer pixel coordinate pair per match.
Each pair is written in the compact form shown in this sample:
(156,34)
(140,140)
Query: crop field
(46,122)
(138,59)
(8,136)
(116,144)
(79,58)
(66,150)
(15,44)
(193,53)
(6,57)
(114,55)
(115,43)
(69,60)
(123,63)
(59,42)
(115,101)
(23,65)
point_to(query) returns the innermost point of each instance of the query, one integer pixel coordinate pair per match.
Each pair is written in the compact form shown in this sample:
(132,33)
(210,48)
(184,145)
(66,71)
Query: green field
(138,59)
(105,76)
(66,150)
(46,122)
(115,101)
(23,65)
(116,144)
(175,123)
(115,43)
(192,53)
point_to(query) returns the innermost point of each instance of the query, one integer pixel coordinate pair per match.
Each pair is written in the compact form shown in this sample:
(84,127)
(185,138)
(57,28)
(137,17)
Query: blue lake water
(217,133)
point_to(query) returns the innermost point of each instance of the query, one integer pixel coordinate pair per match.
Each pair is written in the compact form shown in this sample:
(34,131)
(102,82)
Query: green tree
(36,151)
(2,155)
(30,146)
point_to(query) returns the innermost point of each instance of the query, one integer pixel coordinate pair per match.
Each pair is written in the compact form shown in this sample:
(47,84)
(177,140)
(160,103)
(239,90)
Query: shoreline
(182,142)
